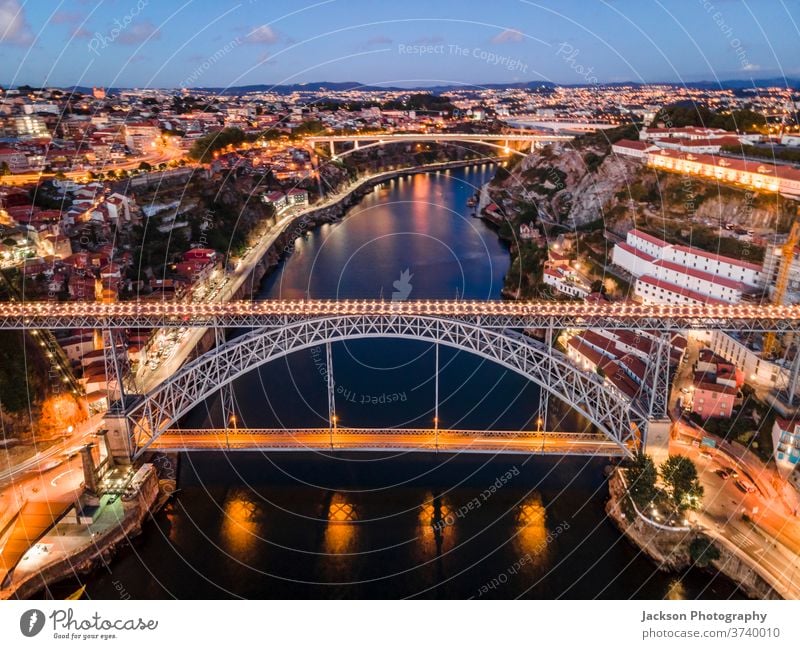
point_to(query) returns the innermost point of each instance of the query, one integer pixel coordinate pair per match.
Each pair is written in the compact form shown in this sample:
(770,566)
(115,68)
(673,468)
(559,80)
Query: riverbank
(72,548)
(309,219)
(670,549)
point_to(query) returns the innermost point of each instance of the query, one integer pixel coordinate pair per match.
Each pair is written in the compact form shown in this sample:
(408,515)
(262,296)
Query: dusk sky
(230,43)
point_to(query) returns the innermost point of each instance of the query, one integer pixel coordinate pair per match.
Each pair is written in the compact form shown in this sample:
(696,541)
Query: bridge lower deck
(371,439)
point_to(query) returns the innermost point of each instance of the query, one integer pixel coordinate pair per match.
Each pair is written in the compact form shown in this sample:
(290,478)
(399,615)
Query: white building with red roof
(677,274)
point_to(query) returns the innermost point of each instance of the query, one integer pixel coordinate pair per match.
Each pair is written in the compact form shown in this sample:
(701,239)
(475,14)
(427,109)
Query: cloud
(262,34)
(65,18)
(379,40)
(14,27)
(139,32)
(428,40)
(81,33)
(751,67)
(508,36)
(375,41)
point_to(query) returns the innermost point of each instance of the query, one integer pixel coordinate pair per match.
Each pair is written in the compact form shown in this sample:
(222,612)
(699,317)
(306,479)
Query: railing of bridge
(490,314)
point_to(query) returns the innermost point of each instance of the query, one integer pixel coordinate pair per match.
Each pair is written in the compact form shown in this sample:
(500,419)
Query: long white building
(676,274)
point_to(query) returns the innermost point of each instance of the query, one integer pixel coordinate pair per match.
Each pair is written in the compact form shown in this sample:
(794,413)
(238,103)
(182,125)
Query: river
(391,525)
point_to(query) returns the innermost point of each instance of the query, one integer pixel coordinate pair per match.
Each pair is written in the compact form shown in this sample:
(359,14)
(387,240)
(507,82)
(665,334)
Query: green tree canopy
(642,477)
(679,475)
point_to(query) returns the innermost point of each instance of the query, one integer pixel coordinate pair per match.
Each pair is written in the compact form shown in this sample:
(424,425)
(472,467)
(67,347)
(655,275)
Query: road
(162,155)
(768,538)
(365,439)
(489,313)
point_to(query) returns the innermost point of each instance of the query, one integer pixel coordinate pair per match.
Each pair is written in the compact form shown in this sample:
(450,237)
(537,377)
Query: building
(297,197)
(677,274)
(142,136)
(633,148)
(772,261)
(565,279)
(786,442)
(745,353)
(712,400)
(31,127)
(755,175)
(276,199)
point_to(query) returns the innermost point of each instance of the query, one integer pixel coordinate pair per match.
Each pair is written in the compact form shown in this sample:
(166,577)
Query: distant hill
(542,86)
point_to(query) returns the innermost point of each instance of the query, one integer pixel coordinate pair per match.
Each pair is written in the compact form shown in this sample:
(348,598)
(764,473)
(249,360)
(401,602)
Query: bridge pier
(331,390)
(119,437)
(657,377)
(114,367)
(656,440)
(227,403)
(332,148)
(544,395)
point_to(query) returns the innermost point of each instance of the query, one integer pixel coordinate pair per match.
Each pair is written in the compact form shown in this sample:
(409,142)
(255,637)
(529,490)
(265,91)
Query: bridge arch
(371,145)
(587,393)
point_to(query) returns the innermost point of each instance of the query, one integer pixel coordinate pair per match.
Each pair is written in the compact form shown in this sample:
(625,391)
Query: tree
(680,479)
(642,476)
(703,551)
(598,286)
(145,166)
(4,169)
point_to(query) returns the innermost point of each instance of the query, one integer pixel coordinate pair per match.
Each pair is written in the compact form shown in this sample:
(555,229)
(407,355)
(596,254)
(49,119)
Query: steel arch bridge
(617,416)
(486,139)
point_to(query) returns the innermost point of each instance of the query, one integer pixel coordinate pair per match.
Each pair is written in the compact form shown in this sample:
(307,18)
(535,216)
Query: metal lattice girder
(741,318)
(656,379)
(586,392)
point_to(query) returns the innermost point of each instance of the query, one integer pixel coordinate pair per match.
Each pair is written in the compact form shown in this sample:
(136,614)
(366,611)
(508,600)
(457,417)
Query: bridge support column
(115,368)
(119,437)
(333,149)
(657,380)
(544,395)
(89,469)
(436,397)
(227,402)
(331,390)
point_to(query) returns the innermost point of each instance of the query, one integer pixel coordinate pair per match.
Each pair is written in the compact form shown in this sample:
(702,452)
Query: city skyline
(198,43)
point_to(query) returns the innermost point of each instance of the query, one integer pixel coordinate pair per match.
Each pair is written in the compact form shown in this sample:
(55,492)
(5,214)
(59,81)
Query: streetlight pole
(539,424)
(227,437)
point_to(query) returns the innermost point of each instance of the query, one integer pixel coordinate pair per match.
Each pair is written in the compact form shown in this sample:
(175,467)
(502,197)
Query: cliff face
(569,186)
(577,186)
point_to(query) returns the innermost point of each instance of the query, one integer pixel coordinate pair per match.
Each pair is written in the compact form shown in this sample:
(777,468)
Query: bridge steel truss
(614,414)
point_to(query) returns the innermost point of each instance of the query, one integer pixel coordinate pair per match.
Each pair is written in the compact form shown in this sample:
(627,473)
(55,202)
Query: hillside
(585,192)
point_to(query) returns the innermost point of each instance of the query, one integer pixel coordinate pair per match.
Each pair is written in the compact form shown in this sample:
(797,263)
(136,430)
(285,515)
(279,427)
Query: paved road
(769,540)
(401,440)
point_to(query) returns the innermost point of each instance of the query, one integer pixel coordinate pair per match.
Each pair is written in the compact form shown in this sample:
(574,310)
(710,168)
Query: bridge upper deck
(488,314)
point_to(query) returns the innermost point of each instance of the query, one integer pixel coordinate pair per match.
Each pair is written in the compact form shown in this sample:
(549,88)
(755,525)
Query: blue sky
(166,43)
